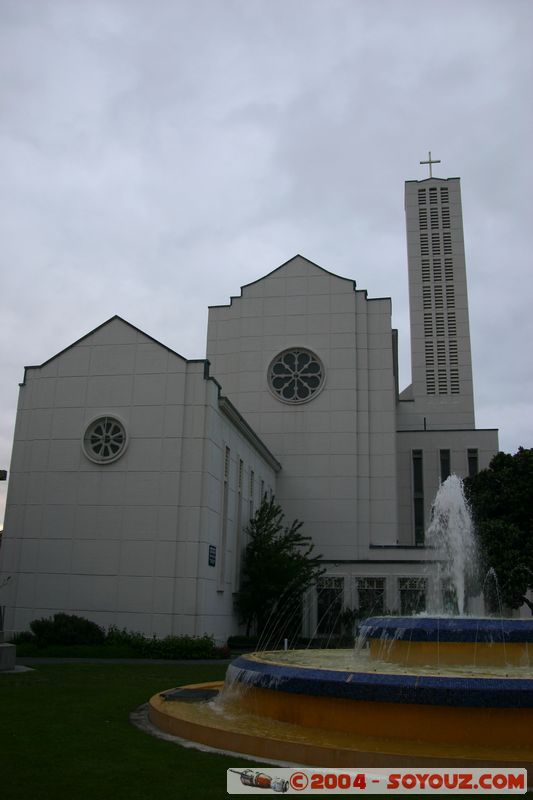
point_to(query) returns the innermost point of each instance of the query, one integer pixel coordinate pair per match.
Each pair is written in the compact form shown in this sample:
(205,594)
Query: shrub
(117,636)
(66,629)
(24,637)
(171,647)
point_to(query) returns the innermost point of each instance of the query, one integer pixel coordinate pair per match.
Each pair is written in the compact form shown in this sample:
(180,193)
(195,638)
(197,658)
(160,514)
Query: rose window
(105,440)
(295,376)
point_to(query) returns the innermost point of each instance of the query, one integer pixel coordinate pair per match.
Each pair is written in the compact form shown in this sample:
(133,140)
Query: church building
(135,471)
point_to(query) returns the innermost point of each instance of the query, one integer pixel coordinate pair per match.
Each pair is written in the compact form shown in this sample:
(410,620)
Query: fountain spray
(451,535)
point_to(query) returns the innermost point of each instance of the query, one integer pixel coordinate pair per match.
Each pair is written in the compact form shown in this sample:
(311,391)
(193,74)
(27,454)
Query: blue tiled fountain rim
(448,629)
(384,687)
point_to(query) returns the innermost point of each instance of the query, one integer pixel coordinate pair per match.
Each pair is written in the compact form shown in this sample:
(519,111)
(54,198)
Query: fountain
(428,690)
(451,535)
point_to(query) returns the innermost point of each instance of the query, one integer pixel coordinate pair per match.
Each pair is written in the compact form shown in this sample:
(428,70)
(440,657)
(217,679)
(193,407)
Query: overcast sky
(158,154)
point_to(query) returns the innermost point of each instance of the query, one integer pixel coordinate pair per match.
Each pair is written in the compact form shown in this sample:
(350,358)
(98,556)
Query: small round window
(296,375)
(105,440)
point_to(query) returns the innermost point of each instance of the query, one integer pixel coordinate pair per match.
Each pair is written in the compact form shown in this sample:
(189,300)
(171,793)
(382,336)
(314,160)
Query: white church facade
(135,471)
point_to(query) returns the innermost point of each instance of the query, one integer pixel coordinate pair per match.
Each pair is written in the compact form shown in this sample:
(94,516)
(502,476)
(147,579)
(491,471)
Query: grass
(28,650)
(65,733)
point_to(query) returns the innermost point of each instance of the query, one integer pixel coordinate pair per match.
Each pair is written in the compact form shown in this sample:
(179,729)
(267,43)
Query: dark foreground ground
(65,734)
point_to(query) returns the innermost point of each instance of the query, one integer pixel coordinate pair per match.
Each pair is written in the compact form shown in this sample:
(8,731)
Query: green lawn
(64,733)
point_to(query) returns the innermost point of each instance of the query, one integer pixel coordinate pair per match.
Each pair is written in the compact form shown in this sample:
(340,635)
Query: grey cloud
(157,156)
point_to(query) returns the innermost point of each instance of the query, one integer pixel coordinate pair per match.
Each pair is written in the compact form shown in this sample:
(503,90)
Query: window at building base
(413,593)
(329,603)
(371,597)
(449,598)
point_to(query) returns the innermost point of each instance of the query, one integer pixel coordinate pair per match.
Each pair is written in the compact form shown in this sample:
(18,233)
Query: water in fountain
(451,535)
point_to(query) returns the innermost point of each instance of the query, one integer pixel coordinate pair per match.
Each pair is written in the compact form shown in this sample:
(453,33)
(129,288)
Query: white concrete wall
(216,585)
(339,449)
(431,443)
(124,543)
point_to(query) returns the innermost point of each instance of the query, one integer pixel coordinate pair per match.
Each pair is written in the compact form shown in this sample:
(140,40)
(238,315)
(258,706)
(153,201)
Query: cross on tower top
(431,161)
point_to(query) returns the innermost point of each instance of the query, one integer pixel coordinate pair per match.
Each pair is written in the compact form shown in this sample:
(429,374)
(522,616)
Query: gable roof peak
(114,318)
(298,257)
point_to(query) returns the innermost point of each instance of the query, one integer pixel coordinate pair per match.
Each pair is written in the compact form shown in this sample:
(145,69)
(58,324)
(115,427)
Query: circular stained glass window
(105,440)
(296,375)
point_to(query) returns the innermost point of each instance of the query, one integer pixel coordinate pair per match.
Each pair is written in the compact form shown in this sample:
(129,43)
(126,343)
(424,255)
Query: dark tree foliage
(502,502)
(278,566)
(66,629)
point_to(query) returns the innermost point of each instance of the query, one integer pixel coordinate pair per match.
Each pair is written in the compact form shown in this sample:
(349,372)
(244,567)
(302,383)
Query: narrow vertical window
(241,471)
(418,496)
(221,575)
(226,463)
(473,465)
(444,465)
(262,491)
(238,527)
(252,489)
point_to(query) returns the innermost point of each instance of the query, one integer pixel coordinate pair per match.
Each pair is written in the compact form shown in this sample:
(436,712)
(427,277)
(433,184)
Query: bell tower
(440,335)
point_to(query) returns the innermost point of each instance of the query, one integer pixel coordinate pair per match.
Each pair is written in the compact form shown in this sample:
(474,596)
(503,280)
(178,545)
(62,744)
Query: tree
(502,503)
(278,567)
